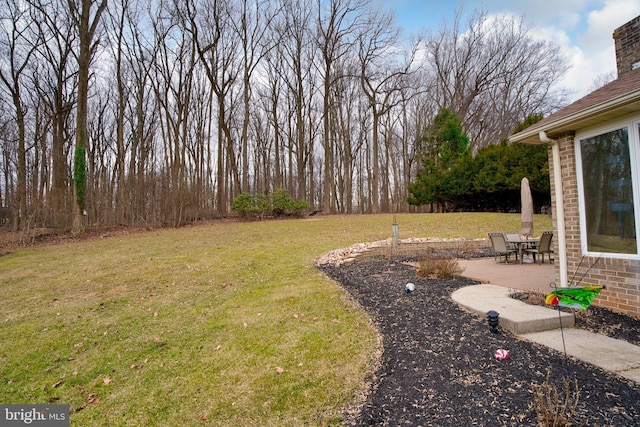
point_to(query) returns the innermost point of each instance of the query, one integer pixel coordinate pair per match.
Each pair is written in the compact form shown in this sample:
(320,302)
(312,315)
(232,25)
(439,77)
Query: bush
(556,408)
(299,206)
(279,203)
(250,204)
(441,267)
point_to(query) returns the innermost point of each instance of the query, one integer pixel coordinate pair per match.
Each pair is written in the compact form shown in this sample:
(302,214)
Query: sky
(583,29)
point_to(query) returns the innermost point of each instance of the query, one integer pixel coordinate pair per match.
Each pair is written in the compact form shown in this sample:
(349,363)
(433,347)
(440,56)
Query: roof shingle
(605,97)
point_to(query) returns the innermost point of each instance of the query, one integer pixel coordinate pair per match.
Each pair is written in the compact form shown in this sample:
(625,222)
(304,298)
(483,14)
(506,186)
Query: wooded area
(159,113)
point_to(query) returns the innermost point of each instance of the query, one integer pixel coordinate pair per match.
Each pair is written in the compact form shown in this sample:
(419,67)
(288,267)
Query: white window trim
(632,123)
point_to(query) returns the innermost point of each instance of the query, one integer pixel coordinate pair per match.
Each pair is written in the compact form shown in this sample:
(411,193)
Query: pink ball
(502,354)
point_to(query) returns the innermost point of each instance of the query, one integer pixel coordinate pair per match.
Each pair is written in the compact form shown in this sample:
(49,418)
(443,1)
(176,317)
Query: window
(608,183)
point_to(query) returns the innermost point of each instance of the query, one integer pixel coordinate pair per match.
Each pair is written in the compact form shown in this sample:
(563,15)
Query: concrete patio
(512,275)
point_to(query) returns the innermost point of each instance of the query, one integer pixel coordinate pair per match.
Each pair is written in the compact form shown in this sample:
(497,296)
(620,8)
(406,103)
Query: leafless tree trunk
(86,17)
(338,21)
(271,101)
(55,84)
(17,40)
(143,116)
(382,82)
(116,26)
(175,91)
(251,25)
(347,97)
(292,61)
(218,49)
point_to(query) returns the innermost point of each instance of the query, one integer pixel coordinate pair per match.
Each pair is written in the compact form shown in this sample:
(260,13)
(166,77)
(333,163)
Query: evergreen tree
(444,149)
(490,181)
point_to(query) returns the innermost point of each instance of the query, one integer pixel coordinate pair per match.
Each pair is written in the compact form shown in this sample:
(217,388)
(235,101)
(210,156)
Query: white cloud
(582,29)
(584,36)
(594,51)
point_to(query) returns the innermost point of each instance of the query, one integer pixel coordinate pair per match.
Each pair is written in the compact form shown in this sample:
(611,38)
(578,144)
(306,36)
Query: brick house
(594,161)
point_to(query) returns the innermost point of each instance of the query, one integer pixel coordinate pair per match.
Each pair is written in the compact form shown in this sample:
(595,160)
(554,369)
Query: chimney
(627,41)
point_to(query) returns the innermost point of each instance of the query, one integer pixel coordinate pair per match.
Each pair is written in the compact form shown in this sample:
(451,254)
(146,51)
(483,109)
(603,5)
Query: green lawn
(224,323)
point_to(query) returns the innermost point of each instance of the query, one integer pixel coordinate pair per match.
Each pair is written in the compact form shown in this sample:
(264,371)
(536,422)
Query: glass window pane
(608,192)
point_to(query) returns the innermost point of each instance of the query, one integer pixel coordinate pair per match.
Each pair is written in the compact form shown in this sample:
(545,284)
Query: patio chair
(500,246)
(544,247)
(512,236)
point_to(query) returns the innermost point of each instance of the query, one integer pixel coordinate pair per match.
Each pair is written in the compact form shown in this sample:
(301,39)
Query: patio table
(521,244)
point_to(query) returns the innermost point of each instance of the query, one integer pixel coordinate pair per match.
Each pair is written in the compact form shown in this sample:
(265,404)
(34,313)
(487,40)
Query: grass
(223,323)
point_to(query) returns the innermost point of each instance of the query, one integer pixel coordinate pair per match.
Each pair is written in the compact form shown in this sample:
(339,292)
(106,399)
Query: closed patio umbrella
(527,208)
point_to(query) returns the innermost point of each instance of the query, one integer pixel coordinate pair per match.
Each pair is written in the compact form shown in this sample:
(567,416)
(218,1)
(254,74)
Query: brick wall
(620,276)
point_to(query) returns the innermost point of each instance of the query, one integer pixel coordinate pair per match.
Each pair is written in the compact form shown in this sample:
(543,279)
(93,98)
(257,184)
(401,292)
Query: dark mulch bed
(438,367)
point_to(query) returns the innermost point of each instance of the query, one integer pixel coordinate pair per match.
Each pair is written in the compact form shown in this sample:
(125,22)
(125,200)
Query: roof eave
(604,111)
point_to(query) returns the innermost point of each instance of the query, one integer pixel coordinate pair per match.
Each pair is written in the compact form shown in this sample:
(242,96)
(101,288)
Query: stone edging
(412,246)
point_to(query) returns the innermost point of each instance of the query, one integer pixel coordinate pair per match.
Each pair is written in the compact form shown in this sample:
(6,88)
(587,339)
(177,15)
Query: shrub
(278,203)
(281,201)
(555,408)
(442,267)
(283,204)
(299,206)
(250,204)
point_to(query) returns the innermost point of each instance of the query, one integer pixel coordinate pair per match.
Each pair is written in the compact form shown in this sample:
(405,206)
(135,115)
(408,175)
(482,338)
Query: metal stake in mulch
(577,297)
(395,237)
(395,233)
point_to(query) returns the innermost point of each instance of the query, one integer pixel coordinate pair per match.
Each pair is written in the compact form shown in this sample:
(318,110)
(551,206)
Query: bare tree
(174,90)
(337,24)
(251,25)
(218,49)
(141,53)
(7,185)
(86,17)
(101,165)
(116,26)
(18,44)
(349,101)
(271,97)
(384,72)
(293,62)
(602,79)
(55,83)
(491,74)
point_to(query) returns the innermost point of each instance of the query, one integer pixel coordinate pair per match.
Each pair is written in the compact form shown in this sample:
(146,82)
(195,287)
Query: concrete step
(515,316)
